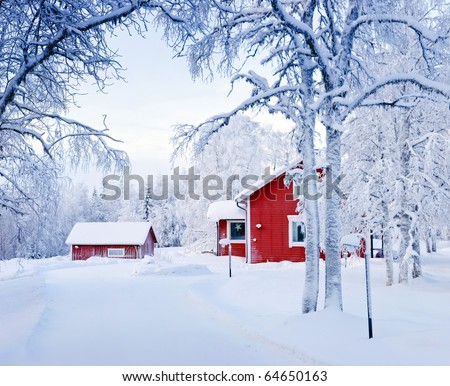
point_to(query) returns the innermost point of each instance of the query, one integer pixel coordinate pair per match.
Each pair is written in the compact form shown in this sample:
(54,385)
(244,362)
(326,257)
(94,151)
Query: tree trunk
(333,285)
(415,248)
(428,242)
(387,252)
(311,289)
(404,225)
(387,246)
(408,216)
(433,241)
(411,256)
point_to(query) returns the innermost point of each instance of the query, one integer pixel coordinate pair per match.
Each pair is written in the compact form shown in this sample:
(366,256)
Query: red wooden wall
(149,245)
(237,249)
(270,206)
(84,252)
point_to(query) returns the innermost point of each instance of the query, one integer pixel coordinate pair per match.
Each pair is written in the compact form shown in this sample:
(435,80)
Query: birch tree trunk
(387,247)
(415,247)
(428,241)
(433,241)
(333,285)
(408,216)
(311,287)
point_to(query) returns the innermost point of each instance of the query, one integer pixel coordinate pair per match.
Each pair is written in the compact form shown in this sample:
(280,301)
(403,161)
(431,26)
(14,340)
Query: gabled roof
(225,210)
(109,233)
(264,181)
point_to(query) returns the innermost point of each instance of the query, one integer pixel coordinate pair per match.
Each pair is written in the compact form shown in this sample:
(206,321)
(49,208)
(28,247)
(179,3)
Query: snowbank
(68,313)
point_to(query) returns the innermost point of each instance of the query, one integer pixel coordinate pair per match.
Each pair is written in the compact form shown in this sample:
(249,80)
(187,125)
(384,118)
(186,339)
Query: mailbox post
(223,243)
(368,292)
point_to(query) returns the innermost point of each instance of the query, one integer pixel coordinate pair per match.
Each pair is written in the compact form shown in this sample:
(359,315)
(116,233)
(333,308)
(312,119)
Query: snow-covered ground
(179,309)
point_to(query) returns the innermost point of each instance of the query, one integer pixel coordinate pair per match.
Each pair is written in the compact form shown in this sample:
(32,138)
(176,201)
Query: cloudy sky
(159,93)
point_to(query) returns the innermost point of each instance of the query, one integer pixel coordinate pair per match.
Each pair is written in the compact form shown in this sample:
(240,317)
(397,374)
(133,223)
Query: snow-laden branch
(409,22)
(186,134)
(64,33)
(419,80)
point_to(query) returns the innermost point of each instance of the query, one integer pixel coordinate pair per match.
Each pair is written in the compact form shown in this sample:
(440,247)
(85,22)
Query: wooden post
(368,292)
(229,258)
(223,243)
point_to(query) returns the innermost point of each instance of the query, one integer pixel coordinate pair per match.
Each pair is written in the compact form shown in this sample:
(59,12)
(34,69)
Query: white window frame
(116,249)
(291,220)
(229,222)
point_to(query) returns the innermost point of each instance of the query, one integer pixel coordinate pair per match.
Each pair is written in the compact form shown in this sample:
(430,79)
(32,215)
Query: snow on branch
(199,135)
(419,80)
(410,22)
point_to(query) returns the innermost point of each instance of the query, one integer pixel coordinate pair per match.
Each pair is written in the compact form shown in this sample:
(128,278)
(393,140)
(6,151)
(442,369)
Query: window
(236,230)
(297,231)
(116,252)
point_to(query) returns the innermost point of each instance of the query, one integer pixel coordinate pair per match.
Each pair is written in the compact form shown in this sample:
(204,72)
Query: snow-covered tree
(324,59)
(8,235)
(241,148)
(48,49)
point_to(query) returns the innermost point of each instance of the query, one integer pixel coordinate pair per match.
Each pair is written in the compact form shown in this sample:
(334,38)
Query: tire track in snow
(104,315)
(197,299)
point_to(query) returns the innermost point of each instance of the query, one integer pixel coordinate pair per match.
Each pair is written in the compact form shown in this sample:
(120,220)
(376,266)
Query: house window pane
(116,252)
(237,231)
(298,232)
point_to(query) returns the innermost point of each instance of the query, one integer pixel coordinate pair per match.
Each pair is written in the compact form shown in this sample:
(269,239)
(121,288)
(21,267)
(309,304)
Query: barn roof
(224,210)
(109,233)
(275,174)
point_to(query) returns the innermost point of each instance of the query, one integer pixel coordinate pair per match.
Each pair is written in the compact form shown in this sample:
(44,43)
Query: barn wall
(84,252)
(237,249)
(270,207)
(149,245)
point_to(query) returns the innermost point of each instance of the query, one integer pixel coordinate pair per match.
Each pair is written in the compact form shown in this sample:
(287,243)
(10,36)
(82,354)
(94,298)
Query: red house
(262,223)
(127,240)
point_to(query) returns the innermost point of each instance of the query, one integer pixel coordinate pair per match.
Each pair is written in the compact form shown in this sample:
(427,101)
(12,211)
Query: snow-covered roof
(224,210)
(263,181)
(275,174)
(109,233)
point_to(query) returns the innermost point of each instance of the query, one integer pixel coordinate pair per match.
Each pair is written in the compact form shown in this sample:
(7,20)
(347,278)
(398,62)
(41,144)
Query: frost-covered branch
(425,84)
(47,50)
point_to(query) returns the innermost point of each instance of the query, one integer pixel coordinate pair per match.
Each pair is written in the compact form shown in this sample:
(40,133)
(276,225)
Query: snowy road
(179,309)
(103,315)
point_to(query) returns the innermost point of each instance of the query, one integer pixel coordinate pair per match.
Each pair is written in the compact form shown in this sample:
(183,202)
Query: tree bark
(433,241)
(408,216)
(333,285)
(311,288)
(428,242)
(387,247)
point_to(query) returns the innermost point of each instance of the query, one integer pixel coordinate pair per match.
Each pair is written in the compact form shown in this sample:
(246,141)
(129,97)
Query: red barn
(127,240)
(263,225)
(270,228)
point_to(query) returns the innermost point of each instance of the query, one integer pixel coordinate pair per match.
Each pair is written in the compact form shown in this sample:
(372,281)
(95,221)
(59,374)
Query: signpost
(368,293)
(223,243)
(350,242)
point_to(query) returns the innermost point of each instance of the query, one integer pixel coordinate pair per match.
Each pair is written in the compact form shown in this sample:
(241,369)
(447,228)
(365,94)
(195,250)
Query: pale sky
(159,93)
